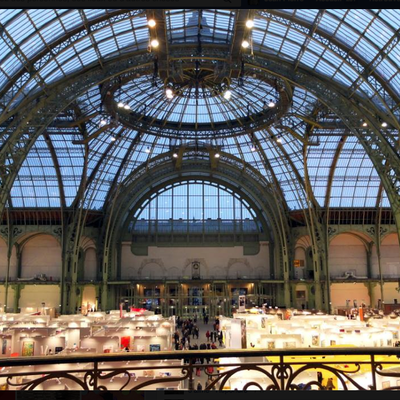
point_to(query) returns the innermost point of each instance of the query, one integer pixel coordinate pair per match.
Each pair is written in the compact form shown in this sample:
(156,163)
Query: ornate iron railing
(289,369)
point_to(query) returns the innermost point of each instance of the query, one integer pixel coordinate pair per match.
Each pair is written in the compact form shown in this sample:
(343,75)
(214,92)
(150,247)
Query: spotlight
(112,139)
(175,155)
(279,140)
(253,147)
(245,44)
(147,150)
(271,104)
(127,107)
(154,43)
(169,93)
(151,23)
(217,155)
(120,104)
(103,122)
(227,95)
(384,124)
(249,23)
(364,124)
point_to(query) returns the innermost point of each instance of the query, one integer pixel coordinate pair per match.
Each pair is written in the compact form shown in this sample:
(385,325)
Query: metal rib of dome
(356,52)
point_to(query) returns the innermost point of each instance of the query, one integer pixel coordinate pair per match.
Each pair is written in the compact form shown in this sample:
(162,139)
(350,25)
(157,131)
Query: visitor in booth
(330,385)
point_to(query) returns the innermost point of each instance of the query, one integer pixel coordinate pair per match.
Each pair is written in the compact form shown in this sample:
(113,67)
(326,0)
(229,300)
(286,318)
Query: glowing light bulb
(147,150)
(169,93)
(253,148)
(175,155)
(279,140)
(155,43)
(120,104)
(227,95)
(112,139)
(103,122)
(151,23)
(127,107)
(249,23)
(271,104)
(245,44)
(384,124)
(364,124)
(217,155)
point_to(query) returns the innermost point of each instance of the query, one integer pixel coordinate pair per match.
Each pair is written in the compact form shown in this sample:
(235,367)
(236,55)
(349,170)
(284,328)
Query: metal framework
(329,138)
(282,370)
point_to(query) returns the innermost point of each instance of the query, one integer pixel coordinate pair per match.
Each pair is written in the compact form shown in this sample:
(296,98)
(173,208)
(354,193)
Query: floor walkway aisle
(203,328)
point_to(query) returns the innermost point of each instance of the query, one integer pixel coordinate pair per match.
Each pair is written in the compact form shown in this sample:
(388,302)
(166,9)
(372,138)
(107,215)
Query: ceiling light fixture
(245,44)
(384,124)
(364,124)
(120,104)
(113,139)
(127,107)
(217,155)
(175,155)
(253,147)
(271,104)
(147,150)
(151,23)
(279,140)
(103,121)
(249,23)
(169,93)
(154,43)
(227,95)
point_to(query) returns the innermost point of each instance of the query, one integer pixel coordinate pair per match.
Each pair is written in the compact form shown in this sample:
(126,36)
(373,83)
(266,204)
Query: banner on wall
(242,303)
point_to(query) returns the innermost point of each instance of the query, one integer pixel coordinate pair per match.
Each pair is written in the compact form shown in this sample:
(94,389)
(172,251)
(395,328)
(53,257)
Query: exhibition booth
(27,335)
(247,330)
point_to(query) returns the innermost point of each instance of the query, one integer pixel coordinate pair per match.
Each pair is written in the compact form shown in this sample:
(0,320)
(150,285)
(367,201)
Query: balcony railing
(286,369)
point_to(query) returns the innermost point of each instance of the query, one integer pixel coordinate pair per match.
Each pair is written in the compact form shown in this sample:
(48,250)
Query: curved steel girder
(380,147)
(57,168)
(362,67)
(228,165)
(38,114)
(248,182)
(61,44)
(131,149)
(332,170)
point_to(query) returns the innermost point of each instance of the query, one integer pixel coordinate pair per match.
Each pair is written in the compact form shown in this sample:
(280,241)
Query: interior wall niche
(41,255)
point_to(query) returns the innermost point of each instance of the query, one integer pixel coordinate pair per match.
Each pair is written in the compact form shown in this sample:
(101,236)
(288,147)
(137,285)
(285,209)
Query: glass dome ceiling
(357,51)
(198,104)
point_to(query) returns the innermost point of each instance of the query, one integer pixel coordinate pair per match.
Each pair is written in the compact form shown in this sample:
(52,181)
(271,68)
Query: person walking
(330,385)
(320,378)
(199,386)
(208,336)
(220,338)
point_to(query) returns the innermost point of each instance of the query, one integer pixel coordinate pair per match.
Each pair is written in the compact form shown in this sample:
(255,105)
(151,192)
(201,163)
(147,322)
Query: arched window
(195,206)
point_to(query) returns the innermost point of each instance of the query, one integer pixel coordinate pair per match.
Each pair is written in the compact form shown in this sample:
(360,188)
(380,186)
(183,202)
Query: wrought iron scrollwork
(290,370)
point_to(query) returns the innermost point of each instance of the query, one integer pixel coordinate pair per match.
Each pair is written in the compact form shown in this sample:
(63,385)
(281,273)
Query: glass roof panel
(355,182)
(363,34)
(211,25)
(36,184)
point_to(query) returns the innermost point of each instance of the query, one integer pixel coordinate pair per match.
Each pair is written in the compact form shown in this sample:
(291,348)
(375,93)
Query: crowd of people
(187,330)
(186,337)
